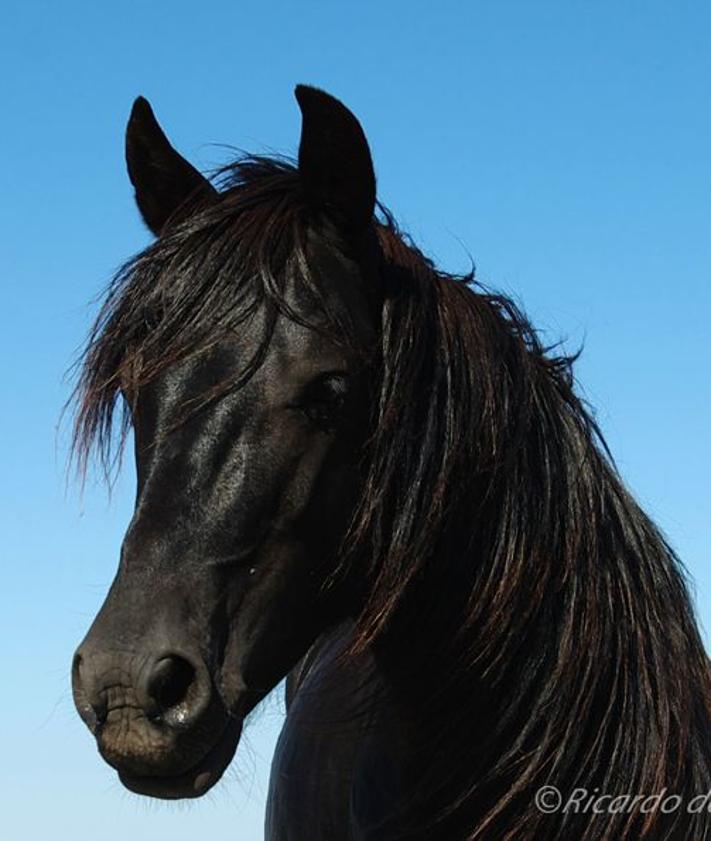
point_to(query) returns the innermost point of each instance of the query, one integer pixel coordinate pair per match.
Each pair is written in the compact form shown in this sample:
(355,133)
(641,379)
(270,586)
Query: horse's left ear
(166,184)
(334,159)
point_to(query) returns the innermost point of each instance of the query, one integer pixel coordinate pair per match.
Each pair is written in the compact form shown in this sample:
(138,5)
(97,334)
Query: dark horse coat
(364,473)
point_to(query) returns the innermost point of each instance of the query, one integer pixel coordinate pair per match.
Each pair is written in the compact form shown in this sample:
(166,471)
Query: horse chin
(198,779)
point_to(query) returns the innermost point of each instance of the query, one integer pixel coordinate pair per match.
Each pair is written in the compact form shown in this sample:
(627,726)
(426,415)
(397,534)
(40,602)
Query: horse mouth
(198,779)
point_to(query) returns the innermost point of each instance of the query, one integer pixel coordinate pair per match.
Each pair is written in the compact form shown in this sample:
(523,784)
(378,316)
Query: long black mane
(504,556)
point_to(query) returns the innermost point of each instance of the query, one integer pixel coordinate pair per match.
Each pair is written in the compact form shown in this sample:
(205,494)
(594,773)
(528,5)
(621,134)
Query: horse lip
(198,779)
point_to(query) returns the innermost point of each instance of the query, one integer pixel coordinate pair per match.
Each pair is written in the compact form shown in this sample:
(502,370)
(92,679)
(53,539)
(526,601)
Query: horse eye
(323,401)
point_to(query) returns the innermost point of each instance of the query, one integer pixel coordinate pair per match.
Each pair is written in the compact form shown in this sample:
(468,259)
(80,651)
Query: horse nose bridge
(127,617)
(158,541)
(151,537)
(144,611)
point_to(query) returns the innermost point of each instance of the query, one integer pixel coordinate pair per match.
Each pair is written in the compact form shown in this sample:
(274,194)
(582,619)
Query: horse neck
(550,637)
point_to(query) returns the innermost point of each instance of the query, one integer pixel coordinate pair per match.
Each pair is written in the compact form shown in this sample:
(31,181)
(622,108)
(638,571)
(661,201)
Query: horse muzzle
(157,718)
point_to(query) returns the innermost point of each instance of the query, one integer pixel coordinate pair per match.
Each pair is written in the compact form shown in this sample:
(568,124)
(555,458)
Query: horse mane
(507,563)
(538,618)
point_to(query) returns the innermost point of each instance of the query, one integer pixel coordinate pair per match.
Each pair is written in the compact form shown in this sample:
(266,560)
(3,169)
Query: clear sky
(565,145)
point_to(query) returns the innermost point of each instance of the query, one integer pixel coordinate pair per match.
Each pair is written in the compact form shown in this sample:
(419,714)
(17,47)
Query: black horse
(368,475)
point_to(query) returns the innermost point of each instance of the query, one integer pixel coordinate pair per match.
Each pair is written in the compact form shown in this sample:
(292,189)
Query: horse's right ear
(335,166)
(167,186)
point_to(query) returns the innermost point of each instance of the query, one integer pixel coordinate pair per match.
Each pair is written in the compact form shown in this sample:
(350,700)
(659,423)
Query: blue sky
(564,145)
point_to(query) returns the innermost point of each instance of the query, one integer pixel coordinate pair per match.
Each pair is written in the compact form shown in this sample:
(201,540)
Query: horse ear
(164,181)
(334,159)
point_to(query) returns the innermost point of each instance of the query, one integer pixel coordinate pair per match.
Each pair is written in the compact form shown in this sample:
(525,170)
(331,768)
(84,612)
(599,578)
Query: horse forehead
(295,353)
(297,347)
(299,350)
(346,280)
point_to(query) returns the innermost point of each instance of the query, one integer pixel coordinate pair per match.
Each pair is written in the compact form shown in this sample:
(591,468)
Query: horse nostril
(90,703)
(169,681)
